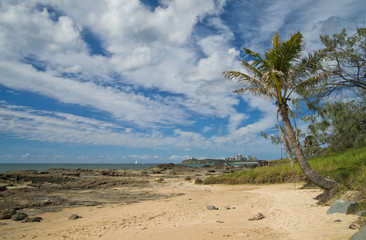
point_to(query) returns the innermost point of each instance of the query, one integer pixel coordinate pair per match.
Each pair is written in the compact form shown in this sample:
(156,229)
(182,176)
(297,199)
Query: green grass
(347,168)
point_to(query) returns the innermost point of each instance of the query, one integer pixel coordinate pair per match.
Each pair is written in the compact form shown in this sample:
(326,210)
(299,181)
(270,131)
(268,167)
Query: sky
(119,81)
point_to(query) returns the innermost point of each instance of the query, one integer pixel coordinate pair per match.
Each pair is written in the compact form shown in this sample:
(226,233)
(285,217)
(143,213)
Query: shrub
(198,181)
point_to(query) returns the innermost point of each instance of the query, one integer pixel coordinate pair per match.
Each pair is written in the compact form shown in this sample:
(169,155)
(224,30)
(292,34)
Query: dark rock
(361,213)
(360,235)
(337,220)
(211,207)
(3,224)
(32,219)
(71,173)
(74,217)
(354,226)
(218,165)
(340,206)
(3,188)
(19,216)
(7,214)
(258,216)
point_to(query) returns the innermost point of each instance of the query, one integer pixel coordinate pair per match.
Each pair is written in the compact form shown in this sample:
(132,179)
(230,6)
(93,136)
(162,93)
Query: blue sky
(122,80)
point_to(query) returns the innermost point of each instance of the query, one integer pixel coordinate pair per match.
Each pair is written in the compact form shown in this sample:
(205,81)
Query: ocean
(5,167)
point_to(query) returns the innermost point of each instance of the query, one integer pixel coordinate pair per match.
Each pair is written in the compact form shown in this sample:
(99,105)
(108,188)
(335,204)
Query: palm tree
(283,72)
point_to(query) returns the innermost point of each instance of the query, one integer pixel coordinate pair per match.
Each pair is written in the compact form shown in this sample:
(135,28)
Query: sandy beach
(289,214)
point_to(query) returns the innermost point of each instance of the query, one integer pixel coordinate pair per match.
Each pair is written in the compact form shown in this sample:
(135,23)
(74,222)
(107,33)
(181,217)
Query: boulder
(361,213)
(19,216)
(74,217)
(340,206)
(360,235)
(7,214)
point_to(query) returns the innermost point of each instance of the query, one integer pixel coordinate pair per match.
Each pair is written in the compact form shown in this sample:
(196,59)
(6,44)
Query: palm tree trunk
(304,165)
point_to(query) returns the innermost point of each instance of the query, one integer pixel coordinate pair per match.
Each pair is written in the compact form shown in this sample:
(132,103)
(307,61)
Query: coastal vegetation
(330,87)
(280,74)
(347,168)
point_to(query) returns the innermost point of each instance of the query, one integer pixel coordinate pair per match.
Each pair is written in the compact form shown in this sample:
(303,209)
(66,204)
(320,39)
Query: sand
(289,214)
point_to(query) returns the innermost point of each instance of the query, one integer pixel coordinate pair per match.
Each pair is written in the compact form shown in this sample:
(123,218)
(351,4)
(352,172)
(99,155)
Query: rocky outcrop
(19,216)
(7,213)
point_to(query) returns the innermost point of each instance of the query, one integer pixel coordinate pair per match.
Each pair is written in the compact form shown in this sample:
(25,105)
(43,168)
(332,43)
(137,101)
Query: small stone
(220,221)
(19,216)
(211,207)
(227,207)
(258,216)
(74,217)
(337,220)
(354,226)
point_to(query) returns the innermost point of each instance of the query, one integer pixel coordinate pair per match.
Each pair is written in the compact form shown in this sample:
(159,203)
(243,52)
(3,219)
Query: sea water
(5,167)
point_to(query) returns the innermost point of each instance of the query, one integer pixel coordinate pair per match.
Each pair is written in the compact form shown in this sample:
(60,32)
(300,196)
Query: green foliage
(340,125)
(283,71)
(347,60)
(278,173)
(198,181)
(347,168)
(188,178)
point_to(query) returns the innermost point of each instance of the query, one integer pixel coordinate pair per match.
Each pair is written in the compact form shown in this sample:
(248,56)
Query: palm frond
(256,92)
(306,67)
(289,51)
(251,68)
(312,81)
(258,61)
(276,40)
(242,77)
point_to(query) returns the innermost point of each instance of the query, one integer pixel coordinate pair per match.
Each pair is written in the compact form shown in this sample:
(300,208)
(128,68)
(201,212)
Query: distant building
(249,158)
(239,157)
(231,159)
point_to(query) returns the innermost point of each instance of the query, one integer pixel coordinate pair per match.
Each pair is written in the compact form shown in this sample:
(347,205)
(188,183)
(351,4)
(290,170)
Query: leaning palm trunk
(282,72)
(304,165)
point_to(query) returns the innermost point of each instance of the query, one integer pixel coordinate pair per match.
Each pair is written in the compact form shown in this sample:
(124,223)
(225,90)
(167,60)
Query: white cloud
(123,106)
(161,71)
(148,49)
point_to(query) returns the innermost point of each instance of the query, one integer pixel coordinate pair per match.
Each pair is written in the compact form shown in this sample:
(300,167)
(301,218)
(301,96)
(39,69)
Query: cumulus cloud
(152,73)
